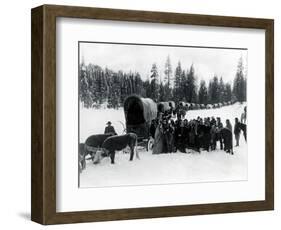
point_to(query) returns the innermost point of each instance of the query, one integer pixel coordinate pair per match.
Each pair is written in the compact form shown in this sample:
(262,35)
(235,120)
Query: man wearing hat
(109,129)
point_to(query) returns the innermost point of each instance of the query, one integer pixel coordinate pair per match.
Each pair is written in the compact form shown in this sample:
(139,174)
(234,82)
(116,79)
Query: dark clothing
(180,111)
(237,131)
(152,129)
(168,133)
(110,130)
(186,130)
(237,138)
(227,140)
(229,126)
(213,132)
(204,136)
(194,139)
(179,139)
(218,134)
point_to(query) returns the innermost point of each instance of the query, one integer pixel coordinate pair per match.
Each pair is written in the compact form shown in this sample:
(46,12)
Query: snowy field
(215,166)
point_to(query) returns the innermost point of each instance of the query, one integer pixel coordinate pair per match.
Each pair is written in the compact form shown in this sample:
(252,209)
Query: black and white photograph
(157,114)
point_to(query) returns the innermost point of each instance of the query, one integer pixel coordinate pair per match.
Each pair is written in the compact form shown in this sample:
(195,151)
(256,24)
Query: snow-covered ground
(163,168)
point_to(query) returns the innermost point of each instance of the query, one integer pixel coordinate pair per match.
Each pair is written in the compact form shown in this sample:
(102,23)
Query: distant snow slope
(163,168)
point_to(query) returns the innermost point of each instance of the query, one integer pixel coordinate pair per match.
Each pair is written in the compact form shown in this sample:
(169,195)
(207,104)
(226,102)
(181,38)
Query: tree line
(102,86)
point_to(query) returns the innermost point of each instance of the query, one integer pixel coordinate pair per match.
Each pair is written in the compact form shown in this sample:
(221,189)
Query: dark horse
(243,127)
(118,143)
(93,143)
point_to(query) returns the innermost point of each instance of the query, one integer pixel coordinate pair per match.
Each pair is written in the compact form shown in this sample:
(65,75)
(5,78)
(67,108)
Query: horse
(243,127)
(118,143)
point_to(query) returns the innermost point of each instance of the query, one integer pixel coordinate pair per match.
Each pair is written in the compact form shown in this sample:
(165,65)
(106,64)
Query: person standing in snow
(179,136)
(219,128)
(168,133)
(213,132)
(237,131)
(244,116)
(158,146)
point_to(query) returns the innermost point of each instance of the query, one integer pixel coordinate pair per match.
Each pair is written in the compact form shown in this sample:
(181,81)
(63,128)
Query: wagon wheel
(150,144)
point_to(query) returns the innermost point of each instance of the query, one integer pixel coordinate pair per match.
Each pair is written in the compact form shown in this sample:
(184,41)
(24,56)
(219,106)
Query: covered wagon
(139,113)
(185,105)
(164,106)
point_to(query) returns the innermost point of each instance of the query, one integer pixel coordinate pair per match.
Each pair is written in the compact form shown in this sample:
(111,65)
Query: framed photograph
(140,114)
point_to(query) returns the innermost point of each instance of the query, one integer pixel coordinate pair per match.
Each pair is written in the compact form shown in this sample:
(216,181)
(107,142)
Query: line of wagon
(140,112)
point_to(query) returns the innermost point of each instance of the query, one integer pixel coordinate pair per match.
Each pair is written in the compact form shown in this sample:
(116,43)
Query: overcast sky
(139,58)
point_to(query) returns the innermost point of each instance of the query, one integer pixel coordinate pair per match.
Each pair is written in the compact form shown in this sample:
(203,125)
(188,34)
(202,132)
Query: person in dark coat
(168,133)
(186,130)
(244,116)
(218,136)
(213,132)
(152,128)
(158,145)
(193,136)
(179,137)
(226,135)
(109,129)
(213,121)
(228,124)
(204,131)
(237,131)
(173,126)
(180,111)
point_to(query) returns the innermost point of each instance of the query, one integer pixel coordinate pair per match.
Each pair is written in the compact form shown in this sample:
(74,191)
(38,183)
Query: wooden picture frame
(43,188)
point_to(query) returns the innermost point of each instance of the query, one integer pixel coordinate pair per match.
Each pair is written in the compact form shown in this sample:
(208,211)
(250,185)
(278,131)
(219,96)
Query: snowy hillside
(163,168)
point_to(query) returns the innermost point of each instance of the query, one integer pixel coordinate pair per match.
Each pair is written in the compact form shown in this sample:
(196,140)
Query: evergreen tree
(221,90)
(138,84)
(154,83)
(98,86)
(146,86)
(228,93)
(239,85)
(203,93)
(168,72)
(215,92)
(178,92)
(210,87)
(183,87)
(191,91)
(162,96)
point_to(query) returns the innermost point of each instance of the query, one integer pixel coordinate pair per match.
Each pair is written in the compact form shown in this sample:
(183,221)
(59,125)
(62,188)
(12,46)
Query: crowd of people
(179,134)
(209,133)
